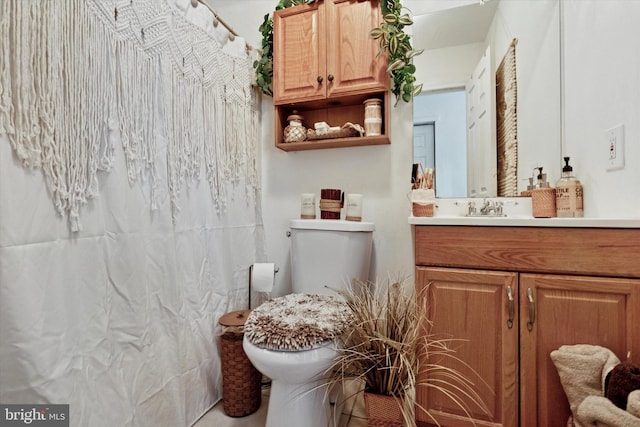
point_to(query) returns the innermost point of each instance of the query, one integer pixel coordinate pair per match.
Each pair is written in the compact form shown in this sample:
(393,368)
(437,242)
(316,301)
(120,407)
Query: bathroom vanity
(509,291)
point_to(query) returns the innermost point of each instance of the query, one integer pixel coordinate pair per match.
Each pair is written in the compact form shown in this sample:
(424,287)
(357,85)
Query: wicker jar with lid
(295,132)
(241,381)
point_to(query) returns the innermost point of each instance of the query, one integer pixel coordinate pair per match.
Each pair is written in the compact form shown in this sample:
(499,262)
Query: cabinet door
(353,63)
(473,308)
(299,47)
(569,310)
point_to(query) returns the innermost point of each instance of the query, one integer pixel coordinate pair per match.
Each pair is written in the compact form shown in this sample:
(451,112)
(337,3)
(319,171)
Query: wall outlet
(615,147)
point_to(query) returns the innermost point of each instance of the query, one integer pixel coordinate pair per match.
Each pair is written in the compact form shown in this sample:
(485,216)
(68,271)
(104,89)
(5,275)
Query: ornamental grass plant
(390,349)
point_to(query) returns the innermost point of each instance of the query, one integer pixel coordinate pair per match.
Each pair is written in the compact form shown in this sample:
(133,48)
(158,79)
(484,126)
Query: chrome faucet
(489,208)
(471,208)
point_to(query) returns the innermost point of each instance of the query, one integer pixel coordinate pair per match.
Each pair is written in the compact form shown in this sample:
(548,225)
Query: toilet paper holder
(275,270)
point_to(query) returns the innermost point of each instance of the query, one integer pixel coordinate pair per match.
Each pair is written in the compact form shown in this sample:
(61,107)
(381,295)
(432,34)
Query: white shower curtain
(118,318)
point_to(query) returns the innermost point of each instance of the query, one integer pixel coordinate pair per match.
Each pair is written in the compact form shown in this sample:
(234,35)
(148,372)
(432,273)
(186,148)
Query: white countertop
(527,222)
(519,214)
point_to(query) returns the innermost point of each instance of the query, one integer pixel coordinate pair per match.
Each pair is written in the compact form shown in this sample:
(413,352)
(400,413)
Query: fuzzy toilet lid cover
(297,322)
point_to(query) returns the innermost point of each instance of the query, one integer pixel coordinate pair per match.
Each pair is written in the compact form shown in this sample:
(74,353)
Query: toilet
(290,339)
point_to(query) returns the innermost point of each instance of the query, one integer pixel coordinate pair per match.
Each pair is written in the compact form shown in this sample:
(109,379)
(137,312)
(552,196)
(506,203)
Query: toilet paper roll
(263,276)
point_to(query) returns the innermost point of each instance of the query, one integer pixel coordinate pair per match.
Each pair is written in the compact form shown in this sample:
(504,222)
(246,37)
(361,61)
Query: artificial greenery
(397,44)
(392,39)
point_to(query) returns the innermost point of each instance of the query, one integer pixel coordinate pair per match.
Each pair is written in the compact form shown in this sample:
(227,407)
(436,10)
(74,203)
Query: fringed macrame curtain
(75,71)
(136,120)
(507,123)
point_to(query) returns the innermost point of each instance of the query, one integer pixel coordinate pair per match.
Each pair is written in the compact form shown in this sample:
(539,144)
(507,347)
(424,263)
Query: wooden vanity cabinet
(508,296)
(325,64)
(570,310)
(468,306)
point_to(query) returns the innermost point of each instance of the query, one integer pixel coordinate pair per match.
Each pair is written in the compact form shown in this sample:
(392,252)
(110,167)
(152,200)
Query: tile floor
(352,415)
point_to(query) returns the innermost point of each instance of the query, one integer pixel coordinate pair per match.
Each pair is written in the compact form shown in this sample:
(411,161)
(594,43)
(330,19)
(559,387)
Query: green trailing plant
(397,44)
(389,348)
(264,66)
(390,34)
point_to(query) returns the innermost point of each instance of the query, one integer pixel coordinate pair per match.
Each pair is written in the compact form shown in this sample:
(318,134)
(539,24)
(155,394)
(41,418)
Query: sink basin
(512,207)
(488,215)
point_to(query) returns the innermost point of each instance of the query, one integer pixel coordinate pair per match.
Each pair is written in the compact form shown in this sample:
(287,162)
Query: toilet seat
(297,322)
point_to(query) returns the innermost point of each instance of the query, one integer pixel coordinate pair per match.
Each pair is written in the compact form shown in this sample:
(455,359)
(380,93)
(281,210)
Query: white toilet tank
(329,252)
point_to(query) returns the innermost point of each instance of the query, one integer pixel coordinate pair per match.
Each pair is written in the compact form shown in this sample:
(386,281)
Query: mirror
(455,40)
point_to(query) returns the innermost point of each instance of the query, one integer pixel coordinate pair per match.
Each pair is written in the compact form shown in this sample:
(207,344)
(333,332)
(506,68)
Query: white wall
(602,87)
(535,24)
(381,173)
(598,32)
(448,67)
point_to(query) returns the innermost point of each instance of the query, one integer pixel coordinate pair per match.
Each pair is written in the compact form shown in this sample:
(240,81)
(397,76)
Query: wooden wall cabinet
(325,65)
(513,295)
(323,50)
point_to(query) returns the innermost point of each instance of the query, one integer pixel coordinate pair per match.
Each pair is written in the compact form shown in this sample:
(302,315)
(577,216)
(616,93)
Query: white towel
(581,369)
(633,404)
(601,412)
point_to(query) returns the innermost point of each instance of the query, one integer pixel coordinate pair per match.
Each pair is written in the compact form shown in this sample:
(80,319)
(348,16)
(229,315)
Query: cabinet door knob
(511,307)
(319,79)
(330,77)
(532,309)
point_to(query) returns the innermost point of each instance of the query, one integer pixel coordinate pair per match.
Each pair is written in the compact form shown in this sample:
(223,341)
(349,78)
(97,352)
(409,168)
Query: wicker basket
(419,209)
(241,381)
(543,202)
(383,411)
(346,132)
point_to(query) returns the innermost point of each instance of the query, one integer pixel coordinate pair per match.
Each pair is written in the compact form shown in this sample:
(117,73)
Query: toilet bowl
(291,339)
(297,378)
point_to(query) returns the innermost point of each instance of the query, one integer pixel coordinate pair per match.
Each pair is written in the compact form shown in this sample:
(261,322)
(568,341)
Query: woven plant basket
(419,209)
(383,411)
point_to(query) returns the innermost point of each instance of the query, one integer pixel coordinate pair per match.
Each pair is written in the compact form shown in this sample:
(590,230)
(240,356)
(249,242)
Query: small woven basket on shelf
(347,132)
(241,381)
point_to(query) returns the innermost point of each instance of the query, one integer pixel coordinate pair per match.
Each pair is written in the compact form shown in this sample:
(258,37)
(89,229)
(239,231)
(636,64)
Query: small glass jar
(295,132)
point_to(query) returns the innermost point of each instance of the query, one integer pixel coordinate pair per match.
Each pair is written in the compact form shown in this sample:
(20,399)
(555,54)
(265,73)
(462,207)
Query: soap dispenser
(541,179)
(569,202)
